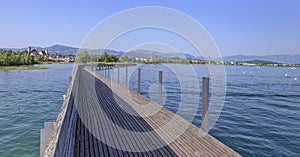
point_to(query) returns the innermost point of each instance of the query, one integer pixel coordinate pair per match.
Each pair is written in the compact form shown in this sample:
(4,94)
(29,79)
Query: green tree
(13,59)
(94,58)
(108,58)
(83,57)
(8,57)
(124,58)
(105,57)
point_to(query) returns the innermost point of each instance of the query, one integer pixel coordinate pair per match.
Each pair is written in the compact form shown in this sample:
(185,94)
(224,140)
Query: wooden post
(205,103)
(104,69)
(126,79)
(45,135)
(139,80)
(160,87)
(70,79)
(108,72)
(118,74)
(112,74)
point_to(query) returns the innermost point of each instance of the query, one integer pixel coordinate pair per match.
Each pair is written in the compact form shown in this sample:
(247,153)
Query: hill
(272,58)
(67,50)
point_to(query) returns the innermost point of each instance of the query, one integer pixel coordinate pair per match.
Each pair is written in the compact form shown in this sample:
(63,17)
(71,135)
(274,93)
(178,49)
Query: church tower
(29,49)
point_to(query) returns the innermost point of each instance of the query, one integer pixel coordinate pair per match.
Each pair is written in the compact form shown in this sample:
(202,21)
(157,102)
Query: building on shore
(54,57)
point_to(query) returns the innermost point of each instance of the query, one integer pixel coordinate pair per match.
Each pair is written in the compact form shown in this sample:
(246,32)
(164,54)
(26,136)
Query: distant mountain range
(66,50)
(273,58)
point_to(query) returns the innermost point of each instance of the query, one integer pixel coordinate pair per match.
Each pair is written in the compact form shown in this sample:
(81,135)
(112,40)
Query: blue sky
(253,27)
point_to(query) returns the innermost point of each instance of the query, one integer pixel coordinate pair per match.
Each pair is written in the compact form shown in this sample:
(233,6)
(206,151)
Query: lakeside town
(39,56)
(50,57)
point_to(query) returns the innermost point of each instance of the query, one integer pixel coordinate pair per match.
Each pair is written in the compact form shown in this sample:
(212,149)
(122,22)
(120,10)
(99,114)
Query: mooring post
(160,87)
(108,72)
(126,79)
(104,69)
(112,74)
(205,103)
(70,79)
(139,80)
(45,135)
(118,73)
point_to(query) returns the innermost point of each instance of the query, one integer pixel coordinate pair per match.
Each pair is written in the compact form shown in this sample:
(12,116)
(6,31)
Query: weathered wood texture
(205,103)
(60,126)
(108,119)
(101,114)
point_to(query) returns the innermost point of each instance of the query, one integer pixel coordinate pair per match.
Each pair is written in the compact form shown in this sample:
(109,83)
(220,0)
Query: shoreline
(41,67)
(22,67)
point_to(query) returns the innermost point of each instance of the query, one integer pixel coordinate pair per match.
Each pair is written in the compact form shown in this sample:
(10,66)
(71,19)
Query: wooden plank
(166,153)
(124,141)
(91,146)
(86,142)
(102,102)
(209,145)
(77,138)
(123,108)
(135,122)
(89,100)
(113,109)
(160,154)
(82,148)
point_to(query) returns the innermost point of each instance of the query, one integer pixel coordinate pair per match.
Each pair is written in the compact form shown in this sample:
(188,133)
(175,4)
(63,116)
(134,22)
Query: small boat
(293,68)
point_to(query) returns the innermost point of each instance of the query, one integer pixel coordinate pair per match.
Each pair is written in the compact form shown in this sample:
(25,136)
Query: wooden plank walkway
(112,120)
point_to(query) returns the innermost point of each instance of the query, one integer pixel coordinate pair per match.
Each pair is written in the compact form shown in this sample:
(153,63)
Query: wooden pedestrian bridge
(101,117)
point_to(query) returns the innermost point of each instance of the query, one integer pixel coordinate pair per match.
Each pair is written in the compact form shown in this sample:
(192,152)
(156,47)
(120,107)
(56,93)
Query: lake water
(28,99)
(260,116)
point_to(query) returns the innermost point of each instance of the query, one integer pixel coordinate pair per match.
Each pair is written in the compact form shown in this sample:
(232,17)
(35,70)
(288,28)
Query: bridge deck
(115,121)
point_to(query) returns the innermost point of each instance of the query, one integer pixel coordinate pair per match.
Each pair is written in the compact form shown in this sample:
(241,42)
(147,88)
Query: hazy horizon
(166,52)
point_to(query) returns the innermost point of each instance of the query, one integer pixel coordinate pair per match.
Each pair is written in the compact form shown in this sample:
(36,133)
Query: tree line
(12,58)
(85,57)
